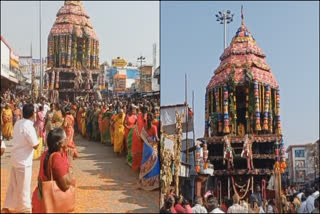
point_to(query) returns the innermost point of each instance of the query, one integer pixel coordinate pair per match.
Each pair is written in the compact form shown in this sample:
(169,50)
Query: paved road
(105,183)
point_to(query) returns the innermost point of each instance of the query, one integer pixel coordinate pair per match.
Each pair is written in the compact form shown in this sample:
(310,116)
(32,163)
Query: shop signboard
(119,63)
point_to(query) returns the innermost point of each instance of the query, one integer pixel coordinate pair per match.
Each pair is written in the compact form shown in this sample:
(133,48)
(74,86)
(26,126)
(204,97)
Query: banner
(168,118)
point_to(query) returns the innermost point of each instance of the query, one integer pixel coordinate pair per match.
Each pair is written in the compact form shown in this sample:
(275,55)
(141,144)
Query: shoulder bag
(54,199)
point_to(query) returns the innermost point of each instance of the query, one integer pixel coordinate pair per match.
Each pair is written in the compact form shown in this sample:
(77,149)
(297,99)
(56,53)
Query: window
(299,153)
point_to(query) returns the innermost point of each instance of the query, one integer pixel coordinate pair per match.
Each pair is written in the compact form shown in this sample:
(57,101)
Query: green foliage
(214,117)
(231,82)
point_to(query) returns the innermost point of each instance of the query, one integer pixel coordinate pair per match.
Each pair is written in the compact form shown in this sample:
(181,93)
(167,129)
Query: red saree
(60,167)
(68,128)
(137,143)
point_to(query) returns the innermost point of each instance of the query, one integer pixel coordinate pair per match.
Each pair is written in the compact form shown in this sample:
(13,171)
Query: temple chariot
(243,131)
(73,55)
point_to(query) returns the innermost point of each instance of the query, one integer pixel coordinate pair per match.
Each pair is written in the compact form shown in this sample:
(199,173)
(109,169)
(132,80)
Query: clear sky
(288,33)
(125,29)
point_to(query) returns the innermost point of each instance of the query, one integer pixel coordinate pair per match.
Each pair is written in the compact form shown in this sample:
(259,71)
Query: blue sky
(288,33)
(125,29)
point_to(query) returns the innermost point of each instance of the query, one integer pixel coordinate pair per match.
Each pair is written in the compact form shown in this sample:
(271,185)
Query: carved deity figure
(89,80)
(77,80)
(228,152)
(247,150)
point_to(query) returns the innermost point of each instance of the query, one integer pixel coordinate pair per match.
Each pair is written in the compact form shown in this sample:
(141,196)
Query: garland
(217,94)
(266,110)
(50,51)
(56,51)
(226,129)
(270,114)
(88,52)
(69,50)
(61,56)
(206,115)
(256,94)
(97,54)
(93,54)
(74,48)
(278,112)
(52,80)
(235,189)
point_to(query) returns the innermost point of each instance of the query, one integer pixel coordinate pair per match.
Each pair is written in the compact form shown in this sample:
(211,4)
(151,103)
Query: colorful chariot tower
(73,54)
(243,129)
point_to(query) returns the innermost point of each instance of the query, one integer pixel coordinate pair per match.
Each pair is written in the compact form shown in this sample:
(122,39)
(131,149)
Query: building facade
(302,163)
(10,72)
(146,78)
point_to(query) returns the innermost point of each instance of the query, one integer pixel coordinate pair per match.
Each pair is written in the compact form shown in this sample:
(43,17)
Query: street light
(141,59)
(225,18)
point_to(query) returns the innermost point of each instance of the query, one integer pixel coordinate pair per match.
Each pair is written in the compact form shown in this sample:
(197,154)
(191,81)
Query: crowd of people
(46,130)
(298,201)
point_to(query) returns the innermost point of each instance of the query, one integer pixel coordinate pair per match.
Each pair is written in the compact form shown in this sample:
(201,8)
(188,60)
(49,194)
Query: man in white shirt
(199,208)
(236,207)
(25,140)
(310,201)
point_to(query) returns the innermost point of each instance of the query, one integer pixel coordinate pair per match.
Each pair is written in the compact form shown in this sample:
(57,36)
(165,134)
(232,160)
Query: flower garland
(205,156)
(206,123)
(241,188)
(50,51)
(278,112)
(270,115)
(69,50)
(52,80)
(266,109)
(256,95)
(216,92)
(226,129)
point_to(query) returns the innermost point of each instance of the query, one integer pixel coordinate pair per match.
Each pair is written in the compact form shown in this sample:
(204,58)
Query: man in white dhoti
(25,140)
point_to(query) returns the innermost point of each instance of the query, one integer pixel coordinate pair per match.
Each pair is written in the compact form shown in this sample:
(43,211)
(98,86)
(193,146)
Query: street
(105,183)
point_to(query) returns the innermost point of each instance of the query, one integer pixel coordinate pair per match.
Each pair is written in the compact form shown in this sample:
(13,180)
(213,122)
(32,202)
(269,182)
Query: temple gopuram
(73,55)
(243,131)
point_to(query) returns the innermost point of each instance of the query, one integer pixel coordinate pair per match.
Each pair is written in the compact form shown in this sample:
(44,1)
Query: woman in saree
(95,123)
(137,143)
(83,121)
(119,132)
(112,130)
(106,126)
(16,114)
(39,124)
(7,122)
(100,121)
(129,123)
(68,126)
(89,117)
(78,117)
(150,166)
(57,118)
(60,165)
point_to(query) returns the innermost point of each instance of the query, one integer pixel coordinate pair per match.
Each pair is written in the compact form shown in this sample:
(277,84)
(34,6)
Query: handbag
(54,199)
